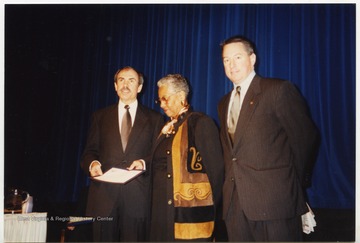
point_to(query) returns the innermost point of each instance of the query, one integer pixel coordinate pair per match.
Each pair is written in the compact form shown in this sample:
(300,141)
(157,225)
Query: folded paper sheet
(116,175)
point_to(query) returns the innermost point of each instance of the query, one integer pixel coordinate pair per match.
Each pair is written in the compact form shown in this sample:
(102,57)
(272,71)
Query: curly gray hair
(175,82)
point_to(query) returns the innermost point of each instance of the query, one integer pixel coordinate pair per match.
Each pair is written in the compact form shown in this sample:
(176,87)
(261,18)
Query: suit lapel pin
(251,102)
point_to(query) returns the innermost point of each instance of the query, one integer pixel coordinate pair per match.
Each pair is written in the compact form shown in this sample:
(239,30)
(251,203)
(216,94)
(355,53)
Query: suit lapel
(114,125)
(247,109)
(137,129)
(225,119)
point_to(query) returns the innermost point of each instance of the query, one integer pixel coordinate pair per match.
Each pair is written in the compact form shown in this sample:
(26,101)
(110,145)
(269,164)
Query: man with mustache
(125,206)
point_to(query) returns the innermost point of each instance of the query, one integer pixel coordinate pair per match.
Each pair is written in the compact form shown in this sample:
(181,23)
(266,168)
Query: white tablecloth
(30,227)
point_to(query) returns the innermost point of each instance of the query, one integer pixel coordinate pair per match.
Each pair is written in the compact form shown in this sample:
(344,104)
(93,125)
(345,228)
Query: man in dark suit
(120,210)
(268,139)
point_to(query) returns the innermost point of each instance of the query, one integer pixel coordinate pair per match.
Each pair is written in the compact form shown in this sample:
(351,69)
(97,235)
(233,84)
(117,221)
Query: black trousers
(120,226)
(241,229)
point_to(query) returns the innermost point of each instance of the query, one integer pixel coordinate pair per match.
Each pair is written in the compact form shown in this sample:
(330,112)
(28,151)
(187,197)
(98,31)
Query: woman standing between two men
(187,169)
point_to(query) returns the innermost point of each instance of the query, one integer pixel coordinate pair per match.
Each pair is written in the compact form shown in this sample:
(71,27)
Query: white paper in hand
(116,175)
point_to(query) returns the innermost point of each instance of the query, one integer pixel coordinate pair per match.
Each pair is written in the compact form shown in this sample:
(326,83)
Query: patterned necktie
(234,113)
(125,127)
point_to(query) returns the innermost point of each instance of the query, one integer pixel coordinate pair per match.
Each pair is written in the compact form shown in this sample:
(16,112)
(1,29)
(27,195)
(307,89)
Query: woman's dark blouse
(158,231)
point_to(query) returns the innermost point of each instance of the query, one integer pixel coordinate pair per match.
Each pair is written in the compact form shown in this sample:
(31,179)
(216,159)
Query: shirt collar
(132,105)
(246,83)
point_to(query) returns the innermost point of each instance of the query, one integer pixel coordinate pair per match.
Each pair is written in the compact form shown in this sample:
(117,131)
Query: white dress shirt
(244,88)
(122,110)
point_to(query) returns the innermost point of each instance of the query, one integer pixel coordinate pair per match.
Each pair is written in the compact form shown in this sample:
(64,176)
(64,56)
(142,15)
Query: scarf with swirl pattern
(193,198)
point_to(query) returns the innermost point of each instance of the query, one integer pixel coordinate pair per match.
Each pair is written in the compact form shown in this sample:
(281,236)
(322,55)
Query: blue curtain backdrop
(60,61)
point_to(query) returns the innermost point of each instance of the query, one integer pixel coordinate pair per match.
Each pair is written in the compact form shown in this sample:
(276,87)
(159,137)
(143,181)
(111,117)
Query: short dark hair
(249,45)
(141,76)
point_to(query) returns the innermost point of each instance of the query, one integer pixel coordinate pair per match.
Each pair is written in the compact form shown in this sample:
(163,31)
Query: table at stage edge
(29,227)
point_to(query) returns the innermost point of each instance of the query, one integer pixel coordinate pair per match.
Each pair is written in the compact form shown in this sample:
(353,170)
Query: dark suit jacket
(274,140)
(104,144)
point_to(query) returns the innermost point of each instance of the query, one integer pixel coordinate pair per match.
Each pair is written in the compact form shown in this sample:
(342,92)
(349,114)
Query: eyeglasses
(164,99)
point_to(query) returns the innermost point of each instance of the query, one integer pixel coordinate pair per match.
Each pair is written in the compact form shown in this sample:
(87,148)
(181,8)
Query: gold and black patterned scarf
(193,198)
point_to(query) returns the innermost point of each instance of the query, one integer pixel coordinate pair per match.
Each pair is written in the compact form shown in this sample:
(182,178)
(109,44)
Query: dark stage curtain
(60,61)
